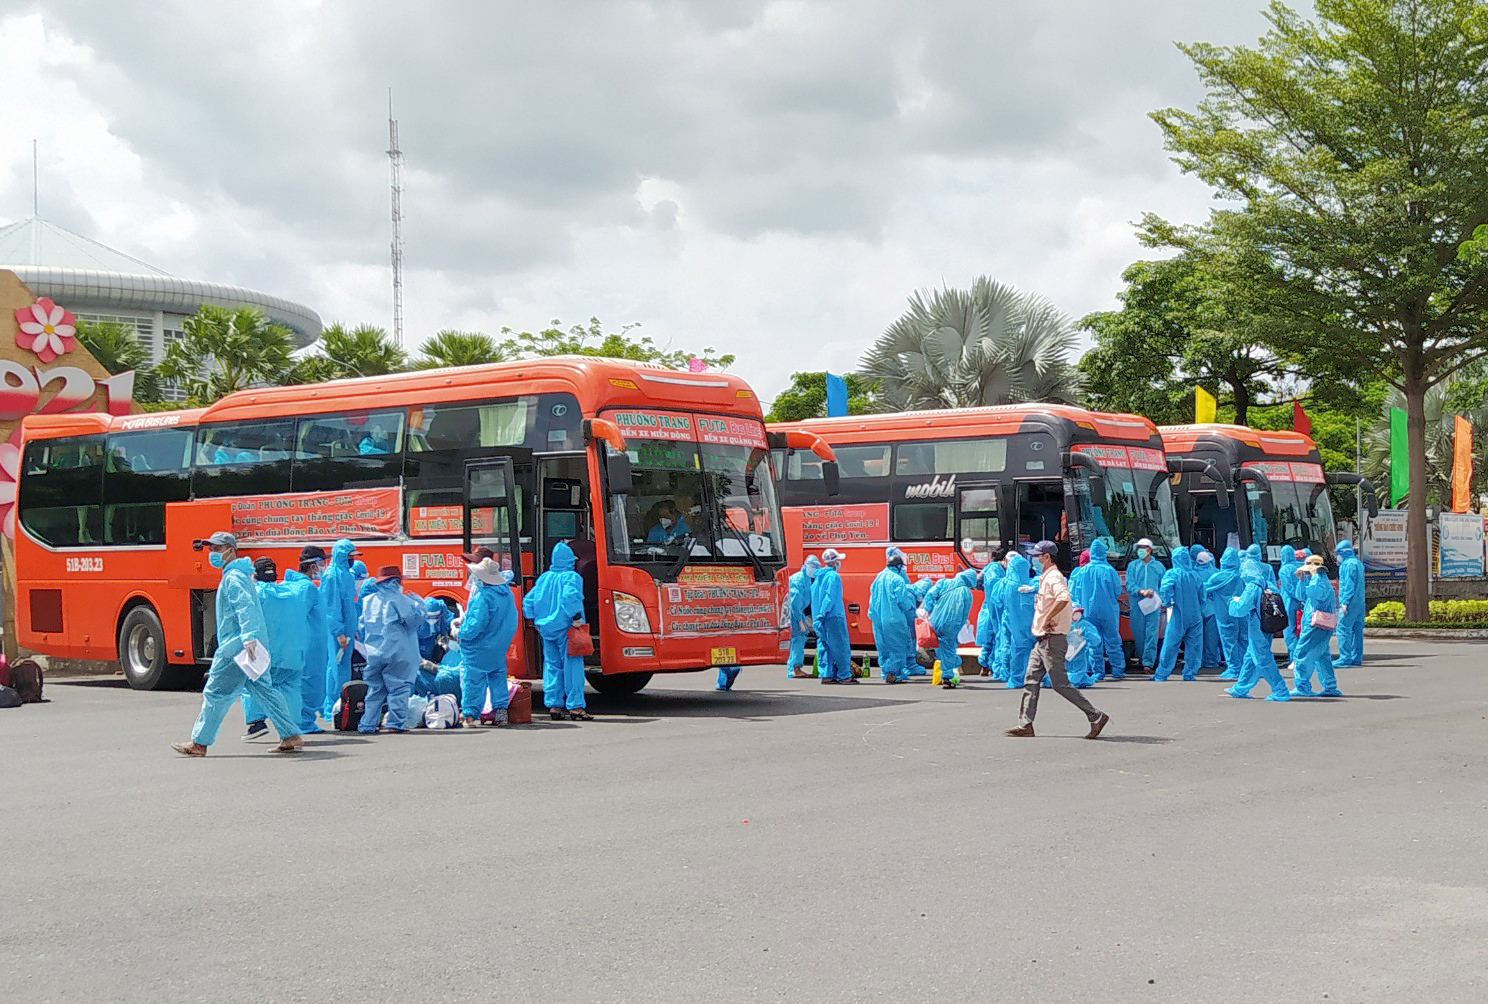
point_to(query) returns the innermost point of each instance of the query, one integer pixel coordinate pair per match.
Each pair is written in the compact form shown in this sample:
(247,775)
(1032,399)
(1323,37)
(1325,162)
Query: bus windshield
(1303,518)
(1139,503)
(719,500)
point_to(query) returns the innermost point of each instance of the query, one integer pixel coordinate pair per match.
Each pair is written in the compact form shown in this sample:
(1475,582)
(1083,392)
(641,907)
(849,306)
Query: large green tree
(227,349)
(365,350)
(592,340)
(119,349)
(1353,152)
(986,345)
(806,397)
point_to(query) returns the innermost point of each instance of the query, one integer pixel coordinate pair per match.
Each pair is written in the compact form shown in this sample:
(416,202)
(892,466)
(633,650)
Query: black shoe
(256,730)
(849,680)
(829,681)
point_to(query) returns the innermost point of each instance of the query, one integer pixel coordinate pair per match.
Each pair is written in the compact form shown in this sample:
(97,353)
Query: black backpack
(25,679)
(353,706)
(1273,613)
(9,698)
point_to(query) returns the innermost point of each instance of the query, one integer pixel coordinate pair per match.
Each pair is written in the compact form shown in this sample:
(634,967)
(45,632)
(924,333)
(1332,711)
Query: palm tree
(365,350)
(458,348)
(986,345)
(118,348)
(224,349)
(1440,438)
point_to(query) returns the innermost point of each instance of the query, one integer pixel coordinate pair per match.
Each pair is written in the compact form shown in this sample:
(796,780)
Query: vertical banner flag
(1399,458)
(1205,406)
(1300,422)
(1461,464)
(836,395)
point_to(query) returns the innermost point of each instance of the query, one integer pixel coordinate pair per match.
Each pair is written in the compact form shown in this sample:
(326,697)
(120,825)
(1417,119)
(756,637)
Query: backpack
(9,698)
(443,712)
(416,707)
(25,678)
(352,706)
(1273,613)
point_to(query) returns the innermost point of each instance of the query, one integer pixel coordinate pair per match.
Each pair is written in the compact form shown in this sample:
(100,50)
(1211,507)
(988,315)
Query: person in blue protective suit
(1099,597)
(1179,592)
(1222,587)
(951,613)
(1204,568)
(1314,640)
(485,633)
(445,677)
(921,589)
(1254,553)
(798,601)
(891,611)
(359,580)
(338,595)
(388,628)
(1084,650)
(319,644)
(1258,663)
(434,632)
(1019,587)
(1143,578)
(554,604)
(829,617)
(1289,586)
(287,618)
(240,631)
(375,442)
(1350,608)
(989,619)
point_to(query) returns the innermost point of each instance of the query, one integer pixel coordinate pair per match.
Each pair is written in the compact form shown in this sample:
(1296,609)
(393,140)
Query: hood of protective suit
(1099,551)
(1252,572)
(359,569)
(1253,552)
(341,551)
(969,578)
(1231,561)
(810,565)
(563,557)
(1345,550)
(1183,560)
(1196,550)
(1018,570)
(997,570)
(243,565)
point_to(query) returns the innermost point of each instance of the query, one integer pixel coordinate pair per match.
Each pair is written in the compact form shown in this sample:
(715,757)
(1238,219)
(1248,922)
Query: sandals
(189,749)
(579,715)
(294,744)
(557,715)
(469,723)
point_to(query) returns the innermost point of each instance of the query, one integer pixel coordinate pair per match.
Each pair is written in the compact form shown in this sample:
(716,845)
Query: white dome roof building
(97,283)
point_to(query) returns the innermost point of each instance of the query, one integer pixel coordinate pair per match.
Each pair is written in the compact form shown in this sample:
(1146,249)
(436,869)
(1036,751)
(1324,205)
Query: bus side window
(246,458)
(61,491)
(145,471)
(916,521)
(362,449)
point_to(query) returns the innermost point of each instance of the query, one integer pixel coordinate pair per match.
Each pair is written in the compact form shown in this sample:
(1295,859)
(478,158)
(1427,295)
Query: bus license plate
(723,656)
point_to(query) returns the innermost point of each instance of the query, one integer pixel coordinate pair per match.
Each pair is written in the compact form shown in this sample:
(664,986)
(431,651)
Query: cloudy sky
(769,178)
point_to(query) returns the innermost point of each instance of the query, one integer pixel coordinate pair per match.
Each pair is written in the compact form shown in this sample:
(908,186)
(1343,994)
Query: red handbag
(579,640)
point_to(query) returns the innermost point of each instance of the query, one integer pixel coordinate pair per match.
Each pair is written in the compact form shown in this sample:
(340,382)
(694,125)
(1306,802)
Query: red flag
(1300,422)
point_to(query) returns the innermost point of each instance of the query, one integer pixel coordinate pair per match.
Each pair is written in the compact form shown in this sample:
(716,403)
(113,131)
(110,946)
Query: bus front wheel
(142,650)
(618,684)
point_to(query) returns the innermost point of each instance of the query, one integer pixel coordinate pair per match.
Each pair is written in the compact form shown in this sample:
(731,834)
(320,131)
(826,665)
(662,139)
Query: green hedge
(1444,613)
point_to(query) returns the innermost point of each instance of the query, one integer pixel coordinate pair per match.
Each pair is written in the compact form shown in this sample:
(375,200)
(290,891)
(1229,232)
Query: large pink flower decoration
(46,329)
(10,474)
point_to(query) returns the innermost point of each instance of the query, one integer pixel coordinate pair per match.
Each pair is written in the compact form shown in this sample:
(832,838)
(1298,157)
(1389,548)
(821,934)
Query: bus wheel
(618,684)
(142,650)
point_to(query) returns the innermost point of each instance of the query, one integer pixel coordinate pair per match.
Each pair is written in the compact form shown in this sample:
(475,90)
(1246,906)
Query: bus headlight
(630,615)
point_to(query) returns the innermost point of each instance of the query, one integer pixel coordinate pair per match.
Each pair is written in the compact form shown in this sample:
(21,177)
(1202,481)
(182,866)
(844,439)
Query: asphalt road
(787,842)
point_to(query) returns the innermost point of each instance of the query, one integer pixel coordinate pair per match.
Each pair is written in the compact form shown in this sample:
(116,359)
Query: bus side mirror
(1098,497)
(1268,506)
(831,477)
(618,473)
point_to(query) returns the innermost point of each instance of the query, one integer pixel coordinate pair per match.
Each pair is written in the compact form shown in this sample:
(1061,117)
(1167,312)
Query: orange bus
(1262,487)
(417,468)
(950,486)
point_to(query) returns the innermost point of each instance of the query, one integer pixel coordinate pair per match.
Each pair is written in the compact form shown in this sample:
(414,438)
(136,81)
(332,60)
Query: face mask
(217,559)
(432,618)
(665,523)
(1142,553)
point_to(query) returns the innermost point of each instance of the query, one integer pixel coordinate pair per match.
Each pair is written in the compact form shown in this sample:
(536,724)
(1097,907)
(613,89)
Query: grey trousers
(1048,657)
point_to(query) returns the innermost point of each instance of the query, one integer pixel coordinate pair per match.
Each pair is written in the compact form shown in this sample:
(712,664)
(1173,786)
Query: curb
(1428,634)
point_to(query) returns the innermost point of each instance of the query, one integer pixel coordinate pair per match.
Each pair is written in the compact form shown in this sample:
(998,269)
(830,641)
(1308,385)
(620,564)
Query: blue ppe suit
(1143,575)
(486,633)
(1180,593)
(338,596)
(389,630)
(1018,591)
(286,618)
(799,600)
(318,647)
(726,677)
(989,632)
(1259,663)
(921,591)
(438,619)
(829,617)
(359,581)
(554,604)
(1253,552)
(1350,595)
(1100,596)
(1289,587)
(1081,667)
(446,678)
(891,610)
(1313,642)
(1222,587)
(239,621)
(952,612)
(1205,571)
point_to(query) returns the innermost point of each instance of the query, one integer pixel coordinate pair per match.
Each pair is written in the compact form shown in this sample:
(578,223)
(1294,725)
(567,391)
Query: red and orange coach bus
(950,486)
(417,468)
(1261,487)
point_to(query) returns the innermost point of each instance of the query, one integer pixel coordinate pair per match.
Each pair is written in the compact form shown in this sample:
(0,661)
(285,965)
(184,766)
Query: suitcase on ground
(352,706)
(519,702)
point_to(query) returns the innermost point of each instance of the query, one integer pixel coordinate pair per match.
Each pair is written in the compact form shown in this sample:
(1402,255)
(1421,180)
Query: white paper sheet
(253,666)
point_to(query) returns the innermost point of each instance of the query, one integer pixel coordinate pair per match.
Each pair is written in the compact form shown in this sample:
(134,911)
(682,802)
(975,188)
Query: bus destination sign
(718,601)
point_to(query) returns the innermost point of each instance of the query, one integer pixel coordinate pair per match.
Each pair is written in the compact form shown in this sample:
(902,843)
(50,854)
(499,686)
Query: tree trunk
(1241,394)
(1417,540)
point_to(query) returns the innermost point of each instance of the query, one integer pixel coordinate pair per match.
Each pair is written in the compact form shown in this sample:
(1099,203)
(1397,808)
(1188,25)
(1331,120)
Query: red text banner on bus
(707,429)
(1307,474)
(1135,457)
(828,525)
(364,513)
(707,602)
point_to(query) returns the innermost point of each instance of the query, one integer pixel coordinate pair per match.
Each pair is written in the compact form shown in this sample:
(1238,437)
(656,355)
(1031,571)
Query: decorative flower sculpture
(10,474)
(46,329)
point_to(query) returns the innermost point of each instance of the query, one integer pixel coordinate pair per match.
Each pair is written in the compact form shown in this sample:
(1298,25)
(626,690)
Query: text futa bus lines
(1263,487)
(949,486)
(417,468)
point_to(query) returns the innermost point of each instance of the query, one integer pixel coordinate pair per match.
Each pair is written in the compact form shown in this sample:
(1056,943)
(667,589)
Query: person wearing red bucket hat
(389,632)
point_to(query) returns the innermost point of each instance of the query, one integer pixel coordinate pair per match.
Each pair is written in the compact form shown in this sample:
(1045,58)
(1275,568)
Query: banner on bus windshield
(718,601)
(1137,458)
(831,525)
(711,430)
(368,513)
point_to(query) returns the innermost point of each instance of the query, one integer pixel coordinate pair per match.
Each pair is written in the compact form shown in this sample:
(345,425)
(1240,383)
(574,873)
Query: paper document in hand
(1149,604)
(255,665)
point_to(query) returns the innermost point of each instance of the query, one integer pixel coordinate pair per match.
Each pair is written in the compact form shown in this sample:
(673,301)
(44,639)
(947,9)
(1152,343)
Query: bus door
(490,520)
(1040,515)
(564,514)
(978,523)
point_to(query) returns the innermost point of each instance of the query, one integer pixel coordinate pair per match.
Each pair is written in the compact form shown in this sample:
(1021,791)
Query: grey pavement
(787,842)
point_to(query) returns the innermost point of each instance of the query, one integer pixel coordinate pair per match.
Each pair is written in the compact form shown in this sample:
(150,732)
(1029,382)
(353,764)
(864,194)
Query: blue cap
(1046,547)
